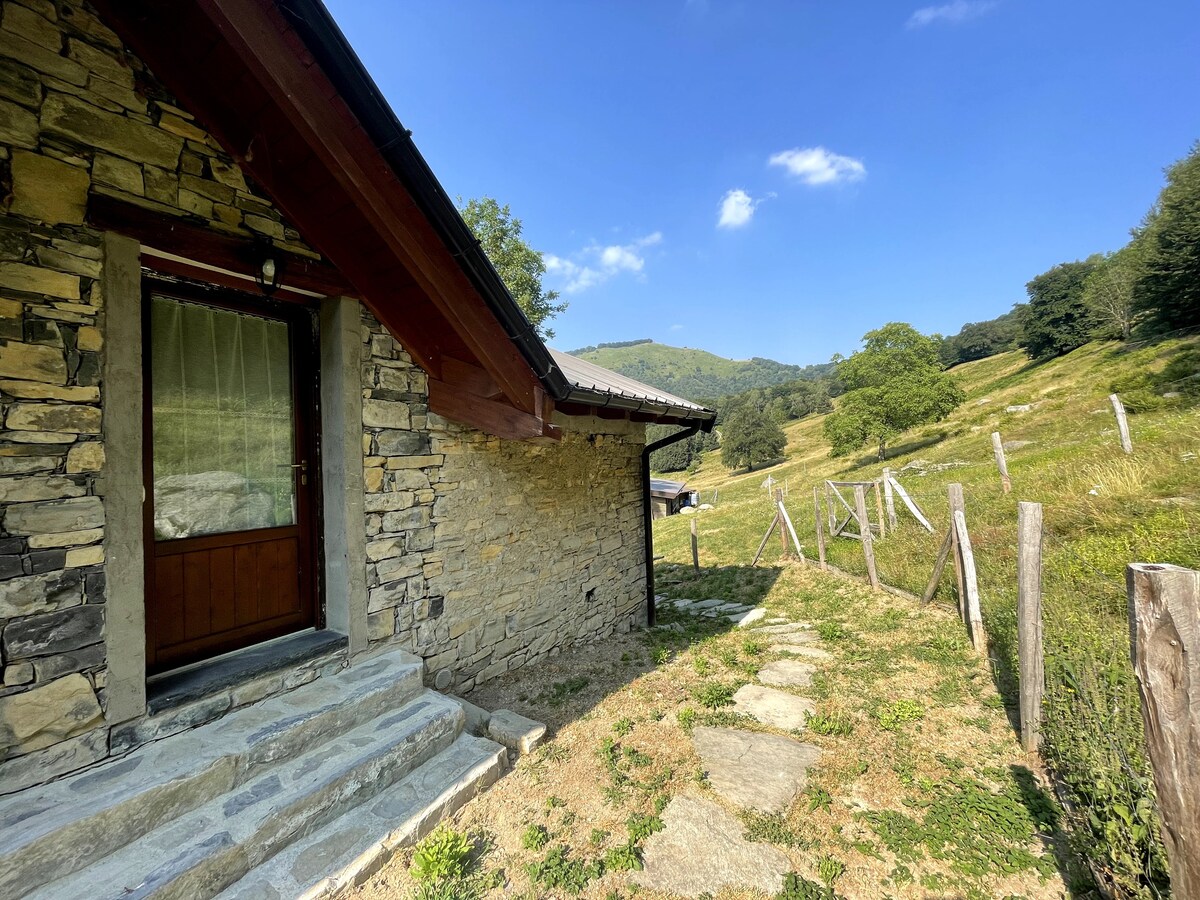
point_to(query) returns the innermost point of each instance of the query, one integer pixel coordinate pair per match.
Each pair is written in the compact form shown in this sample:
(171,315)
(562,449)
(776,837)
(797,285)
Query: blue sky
(776,178)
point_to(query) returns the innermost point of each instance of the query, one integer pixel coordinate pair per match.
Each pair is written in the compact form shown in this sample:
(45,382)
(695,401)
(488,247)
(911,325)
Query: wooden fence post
(887,498)
(912,507)
(1001,462)
(879,511)
(938,566)
(791,529)
(1164,644)
(695,548)
(766,537)
(1122,422)
(1029,623)
(830,511)
(974,614)
(864,525)
(955,492)
(783,535)
(820,525)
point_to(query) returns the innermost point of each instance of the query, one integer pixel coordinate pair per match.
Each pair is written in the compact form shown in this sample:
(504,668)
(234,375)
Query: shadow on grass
(1043,809)
(567,686)
(765,464)
(895,451)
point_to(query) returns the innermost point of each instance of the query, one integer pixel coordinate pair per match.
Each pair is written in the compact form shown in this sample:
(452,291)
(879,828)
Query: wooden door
(230,472)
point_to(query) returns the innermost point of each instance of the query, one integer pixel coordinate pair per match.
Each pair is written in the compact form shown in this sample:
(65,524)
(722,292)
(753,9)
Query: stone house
(278,450)
(668,497)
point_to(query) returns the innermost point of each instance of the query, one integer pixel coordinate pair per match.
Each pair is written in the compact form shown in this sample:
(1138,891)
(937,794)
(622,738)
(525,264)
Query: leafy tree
(749,437)
(1057,320)
(979,340)
(1168,287)
(682,454)
(1108,291)
(520,266)
(894,383)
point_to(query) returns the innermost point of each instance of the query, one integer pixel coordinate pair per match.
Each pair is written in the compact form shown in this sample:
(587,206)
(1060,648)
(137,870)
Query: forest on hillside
(1146,290)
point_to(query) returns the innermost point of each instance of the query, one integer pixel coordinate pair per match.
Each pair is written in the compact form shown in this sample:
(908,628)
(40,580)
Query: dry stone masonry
(485,555)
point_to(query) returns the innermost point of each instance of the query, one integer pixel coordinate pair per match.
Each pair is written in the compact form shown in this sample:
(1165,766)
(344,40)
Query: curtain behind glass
(222,420)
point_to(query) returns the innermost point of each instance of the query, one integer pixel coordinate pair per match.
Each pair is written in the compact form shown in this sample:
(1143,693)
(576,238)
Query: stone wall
(484,555)
(79,116)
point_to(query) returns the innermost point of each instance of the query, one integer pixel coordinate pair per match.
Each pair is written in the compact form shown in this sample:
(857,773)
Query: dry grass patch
(904,754)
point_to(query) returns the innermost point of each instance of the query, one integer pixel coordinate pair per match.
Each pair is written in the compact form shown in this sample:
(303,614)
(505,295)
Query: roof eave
(606,400)
(345,70)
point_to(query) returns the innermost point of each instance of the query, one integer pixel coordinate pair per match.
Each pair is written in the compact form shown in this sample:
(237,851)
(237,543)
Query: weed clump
(714,695)
(897,713)
(535,837)
(833,724)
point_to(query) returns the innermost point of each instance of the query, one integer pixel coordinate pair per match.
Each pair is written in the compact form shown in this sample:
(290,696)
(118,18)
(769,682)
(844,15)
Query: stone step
(215,844)
(59,828)
(350,849)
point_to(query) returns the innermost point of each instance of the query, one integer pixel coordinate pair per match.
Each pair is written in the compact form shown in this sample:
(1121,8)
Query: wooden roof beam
(257,38)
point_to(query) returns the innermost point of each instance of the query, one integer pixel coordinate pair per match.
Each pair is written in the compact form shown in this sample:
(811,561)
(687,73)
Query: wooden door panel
(245,590)
(216,596)
(196,595)
(222,584)
(168,597)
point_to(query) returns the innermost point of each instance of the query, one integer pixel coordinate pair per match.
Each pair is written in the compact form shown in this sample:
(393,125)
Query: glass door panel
(223,420)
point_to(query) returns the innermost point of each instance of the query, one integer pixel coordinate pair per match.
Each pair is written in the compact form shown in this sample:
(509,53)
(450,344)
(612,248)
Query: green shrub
(535,837)
(796,887)
(623,859)
(897,713)
(835,724)
(642,826)
(442,856)
(714,695)
(829,630)
(558,870)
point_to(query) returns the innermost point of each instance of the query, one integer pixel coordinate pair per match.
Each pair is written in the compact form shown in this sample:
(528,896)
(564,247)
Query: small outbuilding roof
(660,487)
(598,386)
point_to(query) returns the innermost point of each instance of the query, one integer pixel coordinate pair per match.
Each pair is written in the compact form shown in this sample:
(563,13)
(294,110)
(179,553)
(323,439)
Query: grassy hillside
(1102,510)
(695,374)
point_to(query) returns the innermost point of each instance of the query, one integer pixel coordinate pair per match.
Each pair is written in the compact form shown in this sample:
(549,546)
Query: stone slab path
(787,673)
(754,770)
(701,849)
(797,639)
(738,613)
(800,650)
(779,709)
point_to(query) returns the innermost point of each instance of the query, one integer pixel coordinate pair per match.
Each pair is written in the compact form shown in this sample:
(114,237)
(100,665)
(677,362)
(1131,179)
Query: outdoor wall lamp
(268,266)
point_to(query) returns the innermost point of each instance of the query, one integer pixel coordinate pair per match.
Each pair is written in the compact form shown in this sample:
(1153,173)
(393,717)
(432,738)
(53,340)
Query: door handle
(302,466)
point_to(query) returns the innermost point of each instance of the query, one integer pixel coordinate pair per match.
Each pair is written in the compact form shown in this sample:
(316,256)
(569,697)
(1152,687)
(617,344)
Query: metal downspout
(646,516)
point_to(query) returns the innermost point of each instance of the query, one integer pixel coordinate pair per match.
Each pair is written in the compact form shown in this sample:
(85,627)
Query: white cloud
(676,328)
(595,264)
(953,13)
(816,165)
(737,209)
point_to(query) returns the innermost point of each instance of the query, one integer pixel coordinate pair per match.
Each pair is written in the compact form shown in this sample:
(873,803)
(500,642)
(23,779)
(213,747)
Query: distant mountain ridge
(693,374)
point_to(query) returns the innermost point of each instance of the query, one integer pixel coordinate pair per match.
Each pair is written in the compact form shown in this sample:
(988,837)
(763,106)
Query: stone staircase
(301,795)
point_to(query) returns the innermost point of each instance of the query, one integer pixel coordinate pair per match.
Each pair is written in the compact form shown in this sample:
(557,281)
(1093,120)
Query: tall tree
(894,383)
(1108,291)
(520,266)
(1056,320)
(749,437)
(1168,286)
